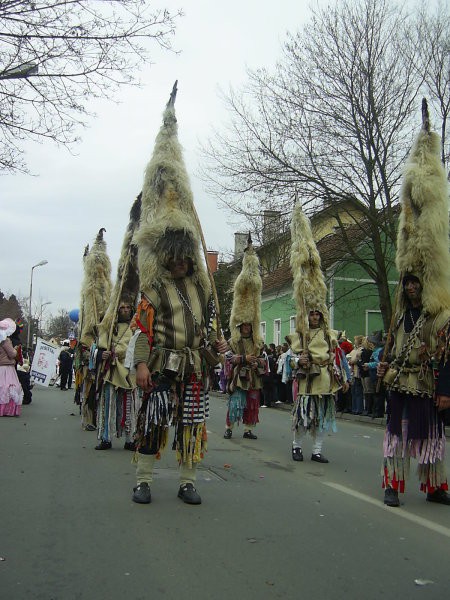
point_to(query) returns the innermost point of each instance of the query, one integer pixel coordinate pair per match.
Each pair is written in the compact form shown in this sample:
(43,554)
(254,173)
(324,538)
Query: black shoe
(228,433)
(63,389)
(188,494)
(297,454)
(391,497)
(319,458)
(90,428)
(439,496)
(141,494)
(129,446)
(104,446)
(249,435)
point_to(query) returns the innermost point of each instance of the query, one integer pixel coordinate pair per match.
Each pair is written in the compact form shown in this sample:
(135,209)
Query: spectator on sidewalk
(356,384)
(11,393)
(366,380)
(269,392)
(65,366)
(379,394)
(281,378)
(343,395)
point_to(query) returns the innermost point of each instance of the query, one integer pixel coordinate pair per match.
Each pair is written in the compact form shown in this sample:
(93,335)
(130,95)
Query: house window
(277,332)
(263,330)
(291,324)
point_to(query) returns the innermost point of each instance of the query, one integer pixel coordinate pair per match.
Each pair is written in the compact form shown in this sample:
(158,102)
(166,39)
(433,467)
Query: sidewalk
(379,422)
(357,418)
(342,416)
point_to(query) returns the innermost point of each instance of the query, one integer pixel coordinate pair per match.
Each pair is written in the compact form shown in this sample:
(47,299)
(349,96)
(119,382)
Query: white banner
(44,362)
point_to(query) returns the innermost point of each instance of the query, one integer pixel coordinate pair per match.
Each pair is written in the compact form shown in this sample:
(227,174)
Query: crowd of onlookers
(364,396)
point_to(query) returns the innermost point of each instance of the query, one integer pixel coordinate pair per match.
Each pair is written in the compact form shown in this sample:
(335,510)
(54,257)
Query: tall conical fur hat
(310,290)
(246,306)
(96,290)
(126,286)
(169,225)
(423,232)
(81,313)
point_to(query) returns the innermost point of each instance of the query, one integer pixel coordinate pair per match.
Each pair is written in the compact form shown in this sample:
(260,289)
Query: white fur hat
(247,296)
(423,232)
(169,226)
(310,290)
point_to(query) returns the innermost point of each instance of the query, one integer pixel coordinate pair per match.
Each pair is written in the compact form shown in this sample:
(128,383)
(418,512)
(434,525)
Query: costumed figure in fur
(79,354)
(244,362)
(95,296)
(318,376)
(176,318)
(116,386)
(417,370)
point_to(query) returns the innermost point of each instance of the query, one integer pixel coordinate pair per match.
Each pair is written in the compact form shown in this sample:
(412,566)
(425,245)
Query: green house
(352,296)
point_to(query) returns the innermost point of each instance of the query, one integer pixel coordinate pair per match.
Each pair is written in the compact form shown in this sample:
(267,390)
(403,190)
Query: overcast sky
(54,215)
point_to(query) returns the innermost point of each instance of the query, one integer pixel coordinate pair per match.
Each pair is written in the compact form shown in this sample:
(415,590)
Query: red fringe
(395,484)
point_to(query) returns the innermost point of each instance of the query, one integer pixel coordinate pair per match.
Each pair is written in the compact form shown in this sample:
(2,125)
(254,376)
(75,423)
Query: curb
(379,422)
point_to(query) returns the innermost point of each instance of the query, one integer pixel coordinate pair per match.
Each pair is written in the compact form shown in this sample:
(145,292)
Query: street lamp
(40,315)
(39,264)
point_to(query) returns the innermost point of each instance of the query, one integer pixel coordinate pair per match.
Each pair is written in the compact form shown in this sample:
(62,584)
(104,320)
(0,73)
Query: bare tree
(57,55)
(60,325)
(433,42)
(330,127)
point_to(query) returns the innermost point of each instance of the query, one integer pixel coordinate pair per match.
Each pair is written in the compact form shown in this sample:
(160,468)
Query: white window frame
(369,311)
(263,329)
(277,332)
(292,324)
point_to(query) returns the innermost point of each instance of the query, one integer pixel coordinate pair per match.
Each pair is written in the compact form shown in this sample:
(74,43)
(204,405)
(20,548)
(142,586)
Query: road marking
(399,512)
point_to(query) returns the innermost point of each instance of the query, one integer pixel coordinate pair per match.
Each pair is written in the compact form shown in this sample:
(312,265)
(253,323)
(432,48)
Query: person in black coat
(66,366)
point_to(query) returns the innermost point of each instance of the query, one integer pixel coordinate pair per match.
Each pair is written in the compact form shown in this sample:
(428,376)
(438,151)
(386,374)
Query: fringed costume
(175,317)
(244,363)
(314,409)
(170,344)
(244,383)
(317,375)
(415,427)
(418,376)
(95,295)
(117,396)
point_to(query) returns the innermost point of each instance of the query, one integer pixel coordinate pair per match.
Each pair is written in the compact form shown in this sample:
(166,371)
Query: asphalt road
(267,528)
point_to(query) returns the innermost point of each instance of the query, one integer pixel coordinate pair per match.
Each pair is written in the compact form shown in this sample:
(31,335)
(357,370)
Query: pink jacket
(7,354)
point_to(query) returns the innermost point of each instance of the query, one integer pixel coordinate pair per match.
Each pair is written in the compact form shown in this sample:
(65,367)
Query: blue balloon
(74,315)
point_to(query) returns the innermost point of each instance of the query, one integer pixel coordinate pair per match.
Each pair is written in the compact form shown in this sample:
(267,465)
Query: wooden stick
(391,327)
(211,277)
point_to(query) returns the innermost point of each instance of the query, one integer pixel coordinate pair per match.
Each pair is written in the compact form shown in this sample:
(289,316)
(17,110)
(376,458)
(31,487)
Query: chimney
(240,244)
(213,260)
(271,225)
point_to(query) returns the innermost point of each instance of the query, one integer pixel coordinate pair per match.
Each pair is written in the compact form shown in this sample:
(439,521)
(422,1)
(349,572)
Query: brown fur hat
(126,287)
(310,290)
(246,306)
(169,226)
(423,233)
